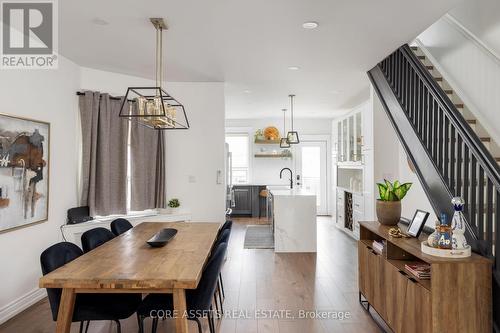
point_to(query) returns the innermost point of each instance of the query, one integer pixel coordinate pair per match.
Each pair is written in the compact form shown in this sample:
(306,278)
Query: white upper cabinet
(335,146)
(348,138)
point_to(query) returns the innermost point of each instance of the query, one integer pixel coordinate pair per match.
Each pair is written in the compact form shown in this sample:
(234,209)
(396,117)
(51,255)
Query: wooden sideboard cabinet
(457,298)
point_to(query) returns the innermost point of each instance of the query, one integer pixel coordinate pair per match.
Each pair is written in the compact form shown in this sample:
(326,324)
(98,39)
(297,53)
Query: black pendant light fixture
(292,136)
(153,107)
(284,141)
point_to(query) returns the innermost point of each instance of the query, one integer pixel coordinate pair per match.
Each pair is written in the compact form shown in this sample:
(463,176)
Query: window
(239,149)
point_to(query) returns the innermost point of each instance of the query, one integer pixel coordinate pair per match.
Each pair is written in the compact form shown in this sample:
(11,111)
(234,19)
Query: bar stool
(263,198)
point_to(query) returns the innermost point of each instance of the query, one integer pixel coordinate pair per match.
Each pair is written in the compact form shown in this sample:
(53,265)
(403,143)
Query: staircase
(451,152)
(491,146)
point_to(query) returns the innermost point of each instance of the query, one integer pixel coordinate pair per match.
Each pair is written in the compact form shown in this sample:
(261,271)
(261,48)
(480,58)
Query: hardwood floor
(251,220)
(262,281)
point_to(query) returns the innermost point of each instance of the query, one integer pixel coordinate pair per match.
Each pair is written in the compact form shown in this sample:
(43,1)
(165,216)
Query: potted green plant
(174,205)
(259,135)
(389,204)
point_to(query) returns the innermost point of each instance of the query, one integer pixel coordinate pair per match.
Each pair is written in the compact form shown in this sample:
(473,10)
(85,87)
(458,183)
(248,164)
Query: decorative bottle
(444,241)
(433,238)
(458,225)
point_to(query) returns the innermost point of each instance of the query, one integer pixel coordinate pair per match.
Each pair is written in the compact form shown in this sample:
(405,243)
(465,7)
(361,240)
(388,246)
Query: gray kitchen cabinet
(248,202)
(242,200)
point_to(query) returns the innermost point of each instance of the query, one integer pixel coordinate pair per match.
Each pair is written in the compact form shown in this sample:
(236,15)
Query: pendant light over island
(292,136)
(284,140)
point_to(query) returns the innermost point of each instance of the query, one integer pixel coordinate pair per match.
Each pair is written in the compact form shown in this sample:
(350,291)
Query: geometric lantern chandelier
(284,140)
(153,107)
(292,136)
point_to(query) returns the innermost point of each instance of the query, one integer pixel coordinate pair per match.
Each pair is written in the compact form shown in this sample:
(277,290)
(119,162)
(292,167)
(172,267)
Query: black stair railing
(449,157)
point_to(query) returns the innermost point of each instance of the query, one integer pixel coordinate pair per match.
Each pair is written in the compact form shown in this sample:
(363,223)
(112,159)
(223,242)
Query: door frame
(320,138)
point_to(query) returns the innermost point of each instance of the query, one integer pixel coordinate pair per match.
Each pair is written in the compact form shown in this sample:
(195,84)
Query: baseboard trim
(21,304)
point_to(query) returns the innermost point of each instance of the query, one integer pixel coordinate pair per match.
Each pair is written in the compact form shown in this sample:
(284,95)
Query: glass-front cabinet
(343,156)
(358,137)
(349,139)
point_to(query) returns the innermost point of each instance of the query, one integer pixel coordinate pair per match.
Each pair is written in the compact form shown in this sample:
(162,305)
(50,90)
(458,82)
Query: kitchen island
(294,220)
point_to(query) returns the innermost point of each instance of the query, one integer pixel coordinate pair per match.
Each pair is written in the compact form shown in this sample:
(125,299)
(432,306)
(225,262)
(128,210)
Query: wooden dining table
(127,264)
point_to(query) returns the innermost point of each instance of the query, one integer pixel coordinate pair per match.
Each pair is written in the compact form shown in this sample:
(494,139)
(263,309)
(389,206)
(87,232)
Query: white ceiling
(249,45)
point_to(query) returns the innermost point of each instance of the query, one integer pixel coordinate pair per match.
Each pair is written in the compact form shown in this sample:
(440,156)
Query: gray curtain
(104,154)
(147,150)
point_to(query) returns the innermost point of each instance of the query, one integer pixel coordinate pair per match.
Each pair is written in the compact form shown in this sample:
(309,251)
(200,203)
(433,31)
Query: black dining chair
(88,307)
(198,301)
(222,238)
(119,226)
(228,225)
(95,237)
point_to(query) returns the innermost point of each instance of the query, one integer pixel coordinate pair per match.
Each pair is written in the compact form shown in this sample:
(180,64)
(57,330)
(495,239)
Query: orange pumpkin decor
(271,133)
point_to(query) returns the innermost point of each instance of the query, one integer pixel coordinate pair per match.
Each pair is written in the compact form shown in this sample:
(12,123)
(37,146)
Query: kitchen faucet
(291,176)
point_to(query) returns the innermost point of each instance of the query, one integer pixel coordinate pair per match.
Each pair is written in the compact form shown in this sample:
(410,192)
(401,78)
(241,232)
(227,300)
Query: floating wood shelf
(270,155)
(267,142)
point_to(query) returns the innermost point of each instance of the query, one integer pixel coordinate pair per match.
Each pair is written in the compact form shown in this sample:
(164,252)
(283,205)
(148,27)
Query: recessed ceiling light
(99,21)
(293,68)
(335,92)
(310,25)
(247,91)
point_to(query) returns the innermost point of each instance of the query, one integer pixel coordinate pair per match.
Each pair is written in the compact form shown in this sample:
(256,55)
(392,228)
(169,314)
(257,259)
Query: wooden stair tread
(450,92)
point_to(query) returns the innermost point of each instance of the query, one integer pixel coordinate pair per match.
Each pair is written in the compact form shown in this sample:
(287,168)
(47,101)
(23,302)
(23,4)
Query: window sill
(130,215)
(72,232)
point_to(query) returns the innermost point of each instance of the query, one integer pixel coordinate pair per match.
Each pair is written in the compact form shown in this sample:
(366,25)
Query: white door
(311,171)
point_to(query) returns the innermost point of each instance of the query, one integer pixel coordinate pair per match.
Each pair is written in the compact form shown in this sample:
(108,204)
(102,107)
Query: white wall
(266,171)
(47,95)
(463,48)
(385,148)
(482,18)
(193,156)
(416,197)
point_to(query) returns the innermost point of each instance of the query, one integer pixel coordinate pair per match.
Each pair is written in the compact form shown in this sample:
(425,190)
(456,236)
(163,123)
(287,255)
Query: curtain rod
(79,93)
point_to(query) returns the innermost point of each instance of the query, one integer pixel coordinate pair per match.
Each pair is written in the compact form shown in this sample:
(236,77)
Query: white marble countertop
(291,192)
(294,220)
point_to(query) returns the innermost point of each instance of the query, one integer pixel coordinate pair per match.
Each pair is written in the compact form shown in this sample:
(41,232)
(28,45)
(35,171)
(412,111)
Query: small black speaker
(79,215)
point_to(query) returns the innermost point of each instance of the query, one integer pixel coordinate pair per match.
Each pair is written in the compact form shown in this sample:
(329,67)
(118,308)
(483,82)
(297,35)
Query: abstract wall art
(24,171)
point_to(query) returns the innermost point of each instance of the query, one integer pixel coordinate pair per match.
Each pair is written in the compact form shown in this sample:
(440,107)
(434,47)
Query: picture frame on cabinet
(417,223)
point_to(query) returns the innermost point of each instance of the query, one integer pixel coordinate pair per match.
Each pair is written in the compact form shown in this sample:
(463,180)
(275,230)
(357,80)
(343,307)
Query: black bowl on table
(162,237)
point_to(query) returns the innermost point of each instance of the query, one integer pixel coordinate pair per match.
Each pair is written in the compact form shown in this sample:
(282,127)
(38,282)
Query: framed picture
(417,223)
(24,171)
